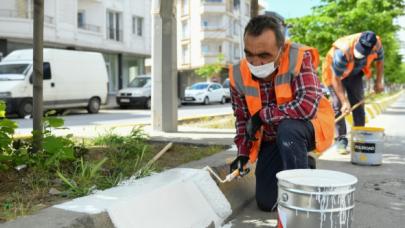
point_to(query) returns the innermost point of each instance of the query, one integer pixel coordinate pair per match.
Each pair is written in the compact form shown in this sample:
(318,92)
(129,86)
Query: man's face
(261,49)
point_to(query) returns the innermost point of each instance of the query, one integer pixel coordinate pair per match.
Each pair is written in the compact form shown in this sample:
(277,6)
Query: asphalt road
(118,117)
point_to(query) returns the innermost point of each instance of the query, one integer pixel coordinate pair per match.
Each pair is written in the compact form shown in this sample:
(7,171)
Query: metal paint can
(367,145)
(310,198)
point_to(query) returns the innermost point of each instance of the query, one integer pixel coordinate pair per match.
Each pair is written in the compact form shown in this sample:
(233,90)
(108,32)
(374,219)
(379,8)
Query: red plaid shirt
(306,91)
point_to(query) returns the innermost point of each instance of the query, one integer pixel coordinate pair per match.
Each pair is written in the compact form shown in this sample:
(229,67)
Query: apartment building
(120,29)
(207,28)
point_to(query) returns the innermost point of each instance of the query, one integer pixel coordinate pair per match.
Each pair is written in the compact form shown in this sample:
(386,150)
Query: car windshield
(199,86)
(226,84)
(139,82)
(13,71)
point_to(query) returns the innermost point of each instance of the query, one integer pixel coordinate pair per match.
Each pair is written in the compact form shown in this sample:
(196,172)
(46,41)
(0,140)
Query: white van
(72,79)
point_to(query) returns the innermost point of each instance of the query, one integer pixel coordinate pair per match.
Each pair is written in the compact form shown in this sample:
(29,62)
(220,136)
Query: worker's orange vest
(346,45)
(290,66)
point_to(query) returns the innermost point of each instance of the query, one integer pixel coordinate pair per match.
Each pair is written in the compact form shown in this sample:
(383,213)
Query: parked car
(72,79)
(227,90)
(205,93)
(138,92)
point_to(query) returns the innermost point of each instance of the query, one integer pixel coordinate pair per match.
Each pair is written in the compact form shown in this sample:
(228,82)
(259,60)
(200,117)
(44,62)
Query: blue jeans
(294,139)
(353,85)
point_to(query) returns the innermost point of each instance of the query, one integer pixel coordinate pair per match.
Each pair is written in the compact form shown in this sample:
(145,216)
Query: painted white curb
(174,198)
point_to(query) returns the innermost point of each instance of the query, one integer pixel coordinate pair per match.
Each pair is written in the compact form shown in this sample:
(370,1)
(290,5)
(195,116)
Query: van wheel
(148,103)
(223,100)
(25,108)
(206,101)
(93,106)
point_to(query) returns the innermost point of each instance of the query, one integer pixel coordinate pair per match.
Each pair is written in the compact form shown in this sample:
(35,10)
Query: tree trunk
(38,75)
(254,8)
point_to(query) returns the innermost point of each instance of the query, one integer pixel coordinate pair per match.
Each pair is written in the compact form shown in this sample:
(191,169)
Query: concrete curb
(377,107)
(53,218)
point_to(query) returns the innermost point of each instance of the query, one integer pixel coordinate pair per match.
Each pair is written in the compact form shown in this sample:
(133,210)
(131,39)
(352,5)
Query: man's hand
(378,87)
(252,125)
(239,163)
(345,107)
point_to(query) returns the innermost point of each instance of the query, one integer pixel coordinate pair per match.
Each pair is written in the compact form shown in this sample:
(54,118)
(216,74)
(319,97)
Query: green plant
(55,148)
(209,70)
(336,18)
(7,129)
(84,178)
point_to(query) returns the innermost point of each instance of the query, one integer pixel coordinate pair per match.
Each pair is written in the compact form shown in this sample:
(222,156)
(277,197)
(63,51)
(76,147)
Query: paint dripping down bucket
(367,145)
(310,198)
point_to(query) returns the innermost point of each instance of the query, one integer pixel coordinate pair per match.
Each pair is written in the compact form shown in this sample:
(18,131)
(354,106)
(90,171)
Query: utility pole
(38,75)
(164,68)
(254,8)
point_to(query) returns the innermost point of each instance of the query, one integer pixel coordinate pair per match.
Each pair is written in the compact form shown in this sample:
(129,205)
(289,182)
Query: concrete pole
(38,75)
(164,66)
(254,8)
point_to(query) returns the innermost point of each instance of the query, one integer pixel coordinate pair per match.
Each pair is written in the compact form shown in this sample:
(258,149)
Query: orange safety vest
(346,44)
(290,66)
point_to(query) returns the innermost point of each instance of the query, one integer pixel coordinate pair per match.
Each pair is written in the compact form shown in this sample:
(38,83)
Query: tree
(210,70)
(38,75)
(336,18)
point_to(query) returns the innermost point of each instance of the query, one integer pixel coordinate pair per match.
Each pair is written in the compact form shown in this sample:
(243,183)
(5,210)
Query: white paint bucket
(310,198)
(367,145)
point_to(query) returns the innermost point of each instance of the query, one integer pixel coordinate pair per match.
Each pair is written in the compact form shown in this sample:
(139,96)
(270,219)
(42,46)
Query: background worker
(345,64)
(276,88)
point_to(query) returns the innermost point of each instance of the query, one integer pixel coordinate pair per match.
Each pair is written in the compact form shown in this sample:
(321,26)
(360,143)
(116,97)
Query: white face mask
(263,71)
(357,54)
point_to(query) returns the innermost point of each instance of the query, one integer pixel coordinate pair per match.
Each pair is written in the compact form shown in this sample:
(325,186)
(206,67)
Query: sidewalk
(380,192)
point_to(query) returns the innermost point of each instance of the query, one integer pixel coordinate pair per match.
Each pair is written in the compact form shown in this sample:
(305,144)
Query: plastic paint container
(367,145)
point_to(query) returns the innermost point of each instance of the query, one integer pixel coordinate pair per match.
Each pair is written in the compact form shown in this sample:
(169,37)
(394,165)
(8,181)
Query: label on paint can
(368,148)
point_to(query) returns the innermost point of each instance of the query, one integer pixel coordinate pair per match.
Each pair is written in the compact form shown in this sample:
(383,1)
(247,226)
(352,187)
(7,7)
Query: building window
(205,49)
(114,25)
(184,7)
(185,29)
(186,54)
(236,4)
(80,19)
(137,25)
(236,27)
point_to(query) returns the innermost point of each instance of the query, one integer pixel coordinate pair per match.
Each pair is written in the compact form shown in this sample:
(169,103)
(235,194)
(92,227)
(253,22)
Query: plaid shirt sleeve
(241,114)
(307,93)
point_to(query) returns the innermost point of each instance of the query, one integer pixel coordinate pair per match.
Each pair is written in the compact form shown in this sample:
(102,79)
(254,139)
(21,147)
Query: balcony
(5,13)
(91,28)
(213,7)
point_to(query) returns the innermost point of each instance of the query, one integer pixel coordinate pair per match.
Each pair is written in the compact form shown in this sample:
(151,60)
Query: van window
(13,71)
(139,82)
(47,71)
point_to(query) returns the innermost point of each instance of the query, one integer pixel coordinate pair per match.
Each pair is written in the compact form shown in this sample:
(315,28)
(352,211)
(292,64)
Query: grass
(102,163)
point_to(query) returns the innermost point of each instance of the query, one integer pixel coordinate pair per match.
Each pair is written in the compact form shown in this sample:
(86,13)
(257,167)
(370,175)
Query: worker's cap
(366,42)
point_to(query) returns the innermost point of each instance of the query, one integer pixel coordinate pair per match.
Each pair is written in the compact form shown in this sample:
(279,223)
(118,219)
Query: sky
(291,8)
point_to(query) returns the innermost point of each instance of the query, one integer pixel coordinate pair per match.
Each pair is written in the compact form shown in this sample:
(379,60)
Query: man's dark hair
(257,25)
